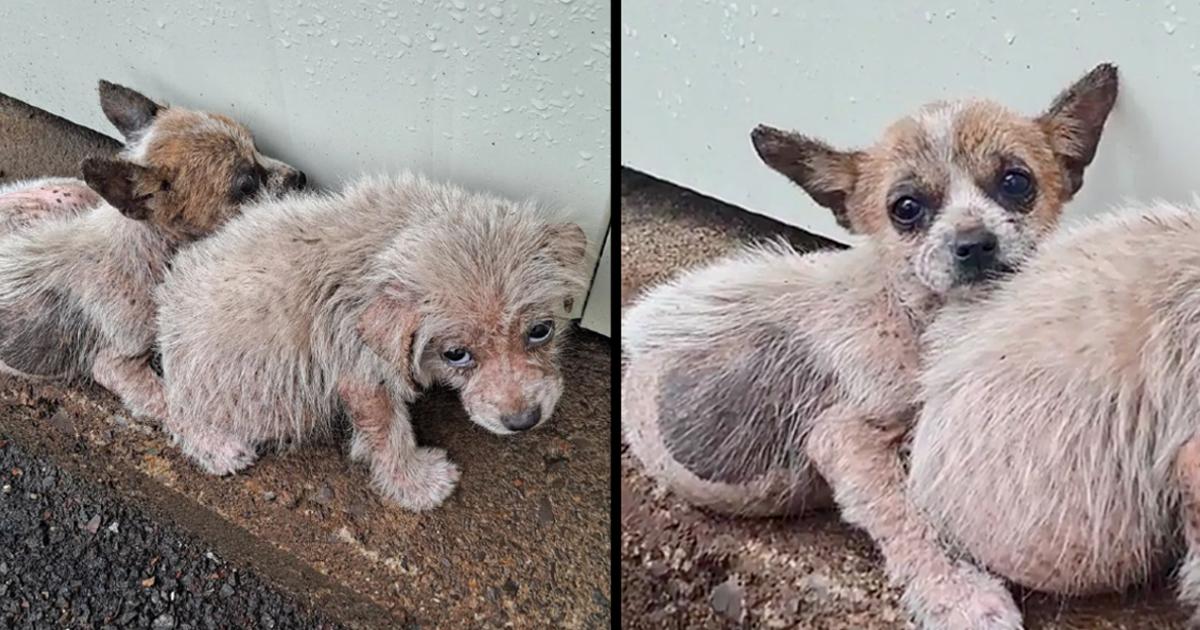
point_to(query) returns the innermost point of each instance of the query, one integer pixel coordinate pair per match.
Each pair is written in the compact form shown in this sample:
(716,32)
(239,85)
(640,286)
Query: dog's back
(1053,410)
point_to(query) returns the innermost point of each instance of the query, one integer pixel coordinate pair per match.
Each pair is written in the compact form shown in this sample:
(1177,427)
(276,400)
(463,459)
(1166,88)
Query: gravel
(72,555)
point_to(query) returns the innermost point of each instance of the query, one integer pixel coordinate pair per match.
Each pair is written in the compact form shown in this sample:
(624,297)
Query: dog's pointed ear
(388,326)
(128,187)
(129,111)
(1076,118)
(826,174)
(565,243)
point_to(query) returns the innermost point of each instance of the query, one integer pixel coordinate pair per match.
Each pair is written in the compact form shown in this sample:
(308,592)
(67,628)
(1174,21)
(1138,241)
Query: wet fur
(77,278)
(315,304)
(797,375)
(1057,441)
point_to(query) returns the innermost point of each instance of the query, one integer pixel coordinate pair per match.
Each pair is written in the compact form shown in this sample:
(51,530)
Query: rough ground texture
(73,555)
(523,542)
(683,568)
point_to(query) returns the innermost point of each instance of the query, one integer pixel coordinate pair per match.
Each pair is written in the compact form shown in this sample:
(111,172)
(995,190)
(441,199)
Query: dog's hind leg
(131,379)
(1187,471)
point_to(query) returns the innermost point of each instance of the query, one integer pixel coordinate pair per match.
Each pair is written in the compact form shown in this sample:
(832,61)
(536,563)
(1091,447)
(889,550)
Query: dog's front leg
(418,478)
(132,380)
(1187,472)
(859,458)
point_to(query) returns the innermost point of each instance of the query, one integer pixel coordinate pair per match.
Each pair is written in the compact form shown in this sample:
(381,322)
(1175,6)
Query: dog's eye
(906,211)
(458,357)
(1016,184)
(245,185)
(540,333)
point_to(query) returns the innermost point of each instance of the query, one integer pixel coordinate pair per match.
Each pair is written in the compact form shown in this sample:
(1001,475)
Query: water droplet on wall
(1010,37)
(496,11)
(1169,28)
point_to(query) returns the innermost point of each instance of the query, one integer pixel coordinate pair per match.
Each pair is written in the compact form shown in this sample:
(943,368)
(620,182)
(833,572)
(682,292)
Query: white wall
(507,95)
(698,75)
(599,307)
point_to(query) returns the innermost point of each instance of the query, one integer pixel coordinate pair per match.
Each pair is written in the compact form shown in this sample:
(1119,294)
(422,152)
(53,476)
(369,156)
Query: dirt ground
(683,568)
(524,542)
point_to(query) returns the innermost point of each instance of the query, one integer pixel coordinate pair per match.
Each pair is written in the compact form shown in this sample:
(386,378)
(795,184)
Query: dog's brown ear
(826,174)
(128,187)
(387,325)
(566,243)
(129,111)
(1076,119)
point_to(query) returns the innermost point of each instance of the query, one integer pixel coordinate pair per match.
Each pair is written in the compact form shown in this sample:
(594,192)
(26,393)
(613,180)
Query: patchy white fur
(1054,412)
(76,283)
(766,382)
(260,325)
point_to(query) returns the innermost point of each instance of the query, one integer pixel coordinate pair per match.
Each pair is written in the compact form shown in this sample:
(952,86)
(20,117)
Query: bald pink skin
(24,206)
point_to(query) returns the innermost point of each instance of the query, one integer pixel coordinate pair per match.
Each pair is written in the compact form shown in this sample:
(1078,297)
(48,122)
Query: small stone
(817,586)
(113,528)
(163,622)
(148,582)
(323,495)
(511,587)
(657,570)
(727,600)
(268,496)
(357,511)
(292,501)
(545,512)
(63,421)
(226,590)
(93,525)
(345,535)
(559,450)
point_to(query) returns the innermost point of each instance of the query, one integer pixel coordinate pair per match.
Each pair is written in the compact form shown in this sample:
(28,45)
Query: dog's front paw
(965,599)
(423,482)
(219,456)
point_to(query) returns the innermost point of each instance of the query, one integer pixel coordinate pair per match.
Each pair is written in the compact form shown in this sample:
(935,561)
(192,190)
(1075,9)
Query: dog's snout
(296,180)
(975,249)
(523,421)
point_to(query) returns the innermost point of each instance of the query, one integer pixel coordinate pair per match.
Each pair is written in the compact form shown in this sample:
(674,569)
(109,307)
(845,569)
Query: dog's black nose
(297,180)
(524,420)
(975,249)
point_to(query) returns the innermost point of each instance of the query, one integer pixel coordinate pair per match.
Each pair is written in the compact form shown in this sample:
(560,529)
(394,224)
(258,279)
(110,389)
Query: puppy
(77,279)
(758,384)
(350,302)
(1057,444)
